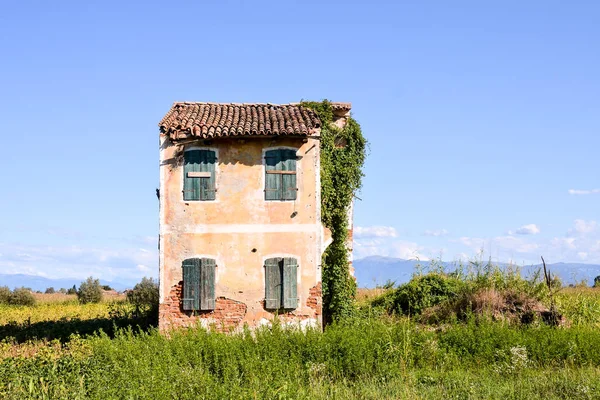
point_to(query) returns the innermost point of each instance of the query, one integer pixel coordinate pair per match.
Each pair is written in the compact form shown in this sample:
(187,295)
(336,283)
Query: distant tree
(21,297)
(597,281)
(4,294)
(582,284)
(50,290)
(555,282)
(106,287)
(144,295)
(62,290)
(90,291)
(72,290)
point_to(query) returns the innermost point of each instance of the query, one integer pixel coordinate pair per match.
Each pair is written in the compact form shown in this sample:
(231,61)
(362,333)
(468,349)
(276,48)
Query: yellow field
(57,307)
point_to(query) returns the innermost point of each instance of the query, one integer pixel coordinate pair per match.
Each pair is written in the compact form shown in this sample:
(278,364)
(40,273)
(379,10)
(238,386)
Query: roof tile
(206,120)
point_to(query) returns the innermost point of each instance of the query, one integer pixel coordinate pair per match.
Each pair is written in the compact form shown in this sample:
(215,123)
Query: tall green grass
(368,358)
(52,352)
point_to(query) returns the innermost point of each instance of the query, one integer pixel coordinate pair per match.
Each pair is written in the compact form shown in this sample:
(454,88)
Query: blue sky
(482,120)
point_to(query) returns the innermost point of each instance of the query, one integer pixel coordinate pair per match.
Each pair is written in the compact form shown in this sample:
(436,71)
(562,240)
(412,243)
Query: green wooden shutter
(273,283)
(273,184)
(199,188)
(290,283)
(191,186)
(288,181)
(191,284)
(207,284)
(207,185)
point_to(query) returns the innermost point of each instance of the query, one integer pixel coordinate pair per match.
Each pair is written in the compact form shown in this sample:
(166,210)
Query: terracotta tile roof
(341,106)
(207,120)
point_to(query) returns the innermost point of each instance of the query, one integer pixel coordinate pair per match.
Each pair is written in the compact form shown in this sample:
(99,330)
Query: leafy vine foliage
(341,177)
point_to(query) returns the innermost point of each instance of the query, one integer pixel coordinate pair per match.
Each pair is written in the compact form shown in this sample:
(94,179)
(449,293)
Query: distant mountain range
(369,272)
(41,283)
(376,270)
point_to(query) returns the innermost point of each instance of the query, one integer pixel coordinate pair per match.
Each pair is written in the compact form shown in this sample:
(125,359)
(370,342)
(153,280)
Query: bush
(21,297)
(144,295)
(106,287)
(62,290)
(4,294)
(90,291)
(72,290)
(50,290)
(420,293)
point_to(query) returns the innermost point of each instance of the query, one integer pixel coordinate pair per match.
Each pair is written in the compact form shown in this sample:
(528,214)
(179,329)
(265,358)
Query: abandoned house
(241,237)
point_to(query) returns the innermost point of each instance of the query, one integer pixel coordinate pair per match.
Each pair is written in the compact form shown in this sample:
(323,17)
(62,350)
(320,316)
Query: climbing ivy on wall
(341,177)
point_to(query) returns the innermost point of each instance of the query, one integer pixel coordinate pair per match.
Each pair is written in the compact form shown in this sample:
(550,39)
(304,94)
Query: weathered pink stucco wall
(240,230)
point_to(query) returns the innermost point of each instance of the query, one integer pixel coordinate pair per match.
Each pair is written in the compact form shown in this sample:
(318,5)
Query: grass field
(55,350)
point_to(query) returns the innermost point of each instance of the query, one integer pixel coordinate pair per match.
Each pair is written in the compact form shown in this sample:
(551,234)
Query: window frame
(200,283)
(264,171)
(217,173)
(281,265)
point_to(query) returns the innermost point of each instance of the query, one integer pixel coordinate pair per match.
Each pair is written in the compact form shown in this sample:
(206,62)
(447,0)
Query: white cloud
(583,227)
(375,231)
(369,247)
(530,229)
(462,257)
(142,268)
(583,192)
(476,243)
(408,250)
(564,243)
(511,243)
(78,262)
(436,232)
(387,247)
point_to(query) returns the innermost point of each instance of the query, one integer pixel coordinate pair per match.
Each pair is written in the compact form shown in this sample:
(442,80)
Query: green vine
(341,177)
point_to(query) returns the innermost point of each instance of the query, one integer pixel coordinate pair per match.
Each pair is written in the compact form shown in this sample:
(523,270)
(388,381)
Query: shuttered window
(199,175)
(281,286)
(199,284)
(280,179)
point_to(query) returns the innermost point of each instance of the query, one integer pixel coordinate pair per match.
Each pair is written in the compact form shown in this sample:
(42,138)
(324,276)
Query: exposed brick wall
(315,299)
(227,315)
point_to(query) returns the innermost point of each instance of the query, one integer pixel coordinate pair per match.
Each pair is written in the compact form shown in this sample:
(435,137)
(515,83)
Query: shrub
(144,295)
(90,291)
(420,293)
(62,290)
(21,297)
(597,281)
(4,294)
(106,287)
(72,290)
(50,290)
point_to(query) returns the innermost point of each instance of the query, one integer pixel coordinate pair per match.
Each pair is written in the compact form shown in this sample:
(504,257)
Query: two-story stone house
(241,237)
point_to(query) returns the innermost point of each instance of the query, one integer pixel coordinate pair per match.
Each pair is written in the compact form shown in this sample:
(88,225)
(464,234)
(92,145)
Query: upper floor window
(199,175)
(280,179)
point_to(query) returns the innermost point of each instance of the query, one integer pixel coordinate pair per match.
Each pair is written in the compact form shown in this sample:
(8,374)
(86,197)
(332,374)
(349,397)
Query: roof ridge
(335,104)
(231,104)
